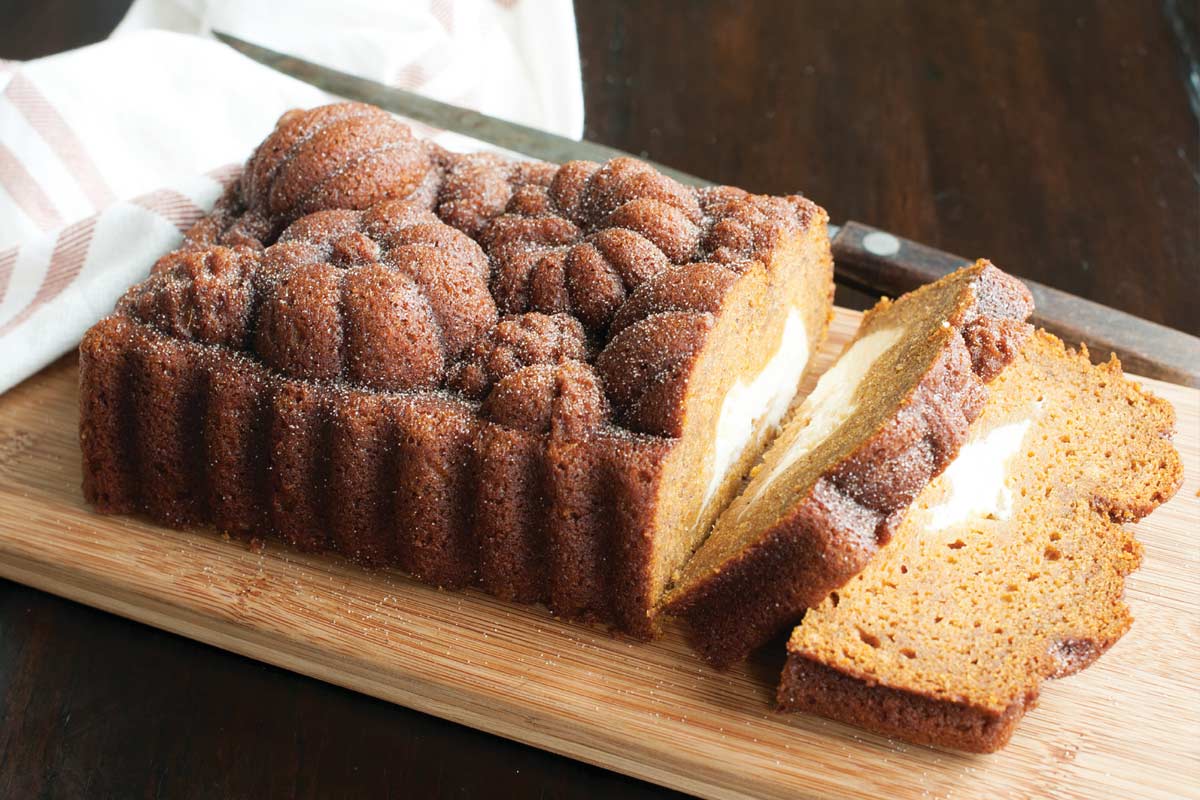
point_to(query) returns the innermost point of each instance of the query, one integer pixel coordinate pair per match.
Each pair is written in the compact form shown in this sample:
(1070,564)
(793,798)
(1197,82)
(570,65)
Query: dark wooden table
(1057,138)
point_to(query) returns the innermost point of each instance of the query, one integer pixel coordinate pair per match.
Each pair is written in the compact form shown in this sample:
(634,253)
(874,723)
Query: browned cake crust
(344,155)
(736,595)
(819,689)
(468,368)
(946,638)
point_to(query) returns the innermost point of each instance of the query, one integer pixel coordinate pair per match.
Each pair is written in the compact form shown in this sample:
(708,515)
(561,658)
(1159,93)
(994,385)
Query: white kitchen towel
(109,152)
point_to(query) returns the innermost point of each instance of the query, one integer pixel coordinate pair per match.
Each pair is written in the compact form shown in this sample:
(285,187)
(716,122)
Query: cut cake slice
(882,422)
(1008,570)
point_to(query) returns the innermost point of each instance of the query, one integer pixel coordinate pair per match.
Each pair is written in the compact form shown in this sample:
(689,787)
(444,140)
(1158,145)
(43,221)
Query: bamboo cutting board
(1127,727)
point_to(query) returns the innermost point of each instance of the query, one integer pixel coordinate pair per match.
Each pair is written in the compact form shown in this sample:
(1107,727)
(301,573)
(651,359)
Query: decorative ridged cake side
(192,434)
(421,360)
(752,580)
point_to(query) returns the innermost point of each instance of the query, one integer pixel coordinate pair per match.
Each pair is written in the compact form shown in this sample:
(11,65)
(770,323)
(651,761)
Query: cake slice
(884,420)
(1008,570)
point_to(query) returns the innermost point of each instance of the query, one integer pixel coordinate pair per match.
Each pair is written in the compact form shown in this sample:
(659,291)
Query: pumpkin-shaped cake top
(351,252)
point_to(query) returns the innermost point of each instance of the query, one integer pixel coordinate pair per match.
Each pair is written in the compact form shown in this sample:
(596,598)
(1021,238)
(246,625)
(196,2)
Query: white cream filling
(764,400)
(832,401)
(976,479)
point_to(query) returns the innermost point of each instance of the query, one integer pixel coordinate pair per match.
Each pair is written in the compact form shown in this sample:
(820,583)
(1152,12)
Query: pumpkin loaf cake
(525,377)
(1008,570)
(884,420)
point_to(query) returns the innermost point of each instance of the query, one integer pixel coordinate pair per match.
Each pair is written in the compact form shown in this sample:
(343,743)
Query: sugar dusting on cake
(576,239)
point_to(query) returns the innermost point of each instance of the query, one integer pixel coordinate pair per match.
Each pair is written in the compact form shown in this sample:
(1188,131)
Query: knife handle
(879,262)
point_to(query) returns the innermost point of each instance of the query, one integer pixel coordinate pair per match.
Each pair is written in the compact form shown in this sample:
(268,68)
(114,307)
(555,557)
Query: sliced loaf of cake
(1008,570)
(883,421)
(525,377)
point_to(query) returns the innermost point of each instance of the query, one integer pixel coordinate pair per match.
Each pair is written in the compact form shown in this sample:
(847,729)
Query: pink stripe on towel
(8,260)
(176,208)
(25,191)
(61,138)
(68,258)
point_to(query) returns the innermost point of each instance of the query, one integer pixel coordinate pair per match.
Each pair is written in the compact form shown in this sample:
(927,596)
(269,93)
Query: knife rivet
(878,243)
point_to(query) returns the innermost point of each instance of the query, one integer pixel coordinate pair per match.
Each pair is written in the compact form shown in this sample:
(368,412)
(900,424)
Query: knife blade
(864,257)
(513,136)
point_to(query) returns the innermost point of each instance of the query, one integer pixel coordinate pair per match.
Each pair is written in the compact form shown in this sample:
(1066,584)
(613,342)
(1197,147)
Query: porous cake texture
(542,380)
(1009,569)
(880,424)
